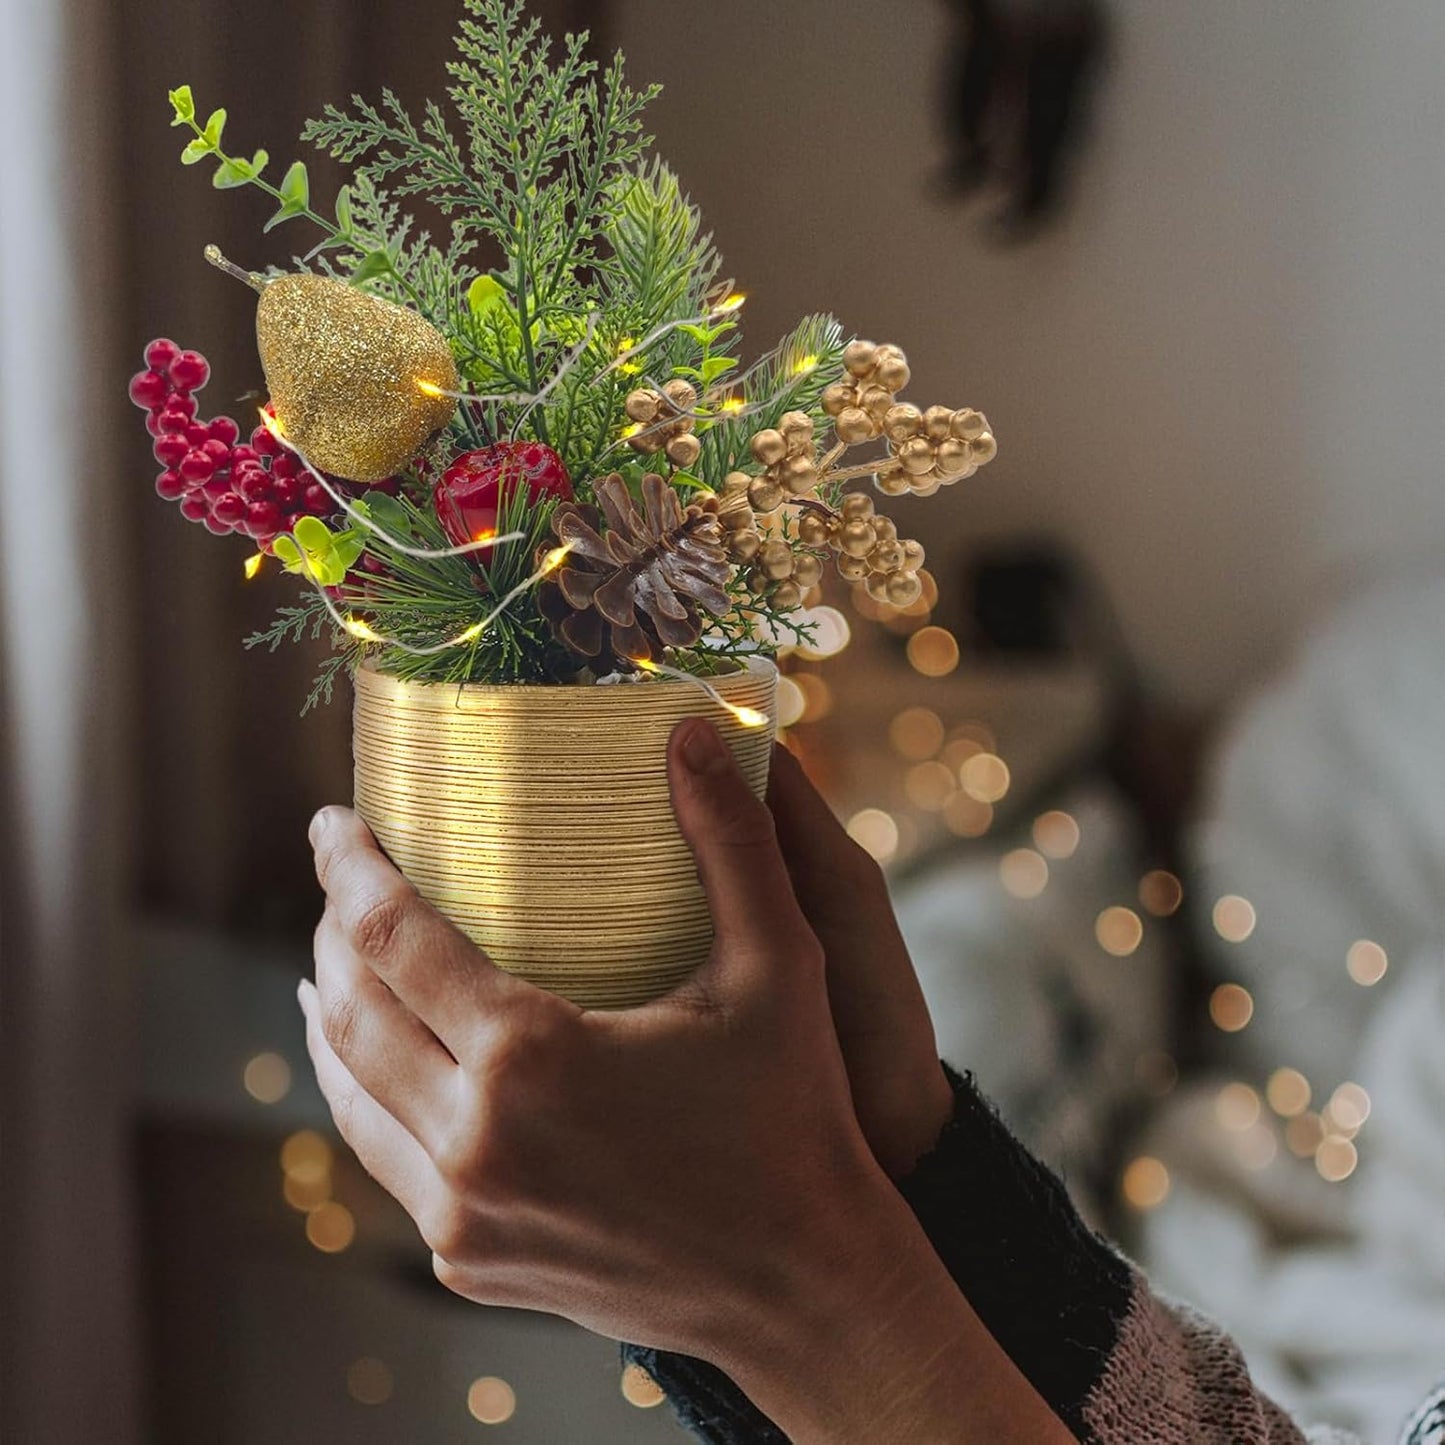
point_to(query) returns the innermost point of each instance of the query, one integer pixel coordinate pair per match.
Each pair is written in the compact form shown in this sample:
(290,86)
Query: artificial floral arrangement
(531,453)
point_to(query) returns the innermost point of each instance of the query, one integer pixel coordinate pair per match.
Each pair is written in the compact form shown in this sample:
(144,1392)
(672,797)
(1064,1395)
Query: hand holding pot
(689,1174)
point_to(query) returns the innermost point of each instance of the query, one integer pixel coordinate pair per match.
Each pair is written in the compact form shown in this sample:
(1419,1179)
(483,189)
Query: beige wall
(1221,380)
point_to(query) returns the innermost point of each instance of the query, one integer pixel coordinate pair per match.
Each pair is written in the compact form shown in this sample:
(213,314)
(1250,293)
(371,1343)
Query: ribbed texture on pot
(538,819)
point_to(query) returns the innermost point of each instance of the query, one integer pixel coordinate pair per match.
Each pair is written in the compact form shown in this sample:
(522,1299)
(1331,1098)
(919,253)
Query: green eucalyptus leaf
(374,263)
(689,482)
(386,512)
(196,150)
(312,534)
(483,294)
(343,208)
(214,126)
(716,366)
(295,188)
(258,162)
(183,104)
(286,550)
(347,548)
(231,173)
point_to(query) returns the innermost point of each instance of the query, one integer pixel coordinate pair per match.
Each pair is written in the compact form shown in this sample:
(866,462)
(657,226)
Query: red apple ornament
(472,492)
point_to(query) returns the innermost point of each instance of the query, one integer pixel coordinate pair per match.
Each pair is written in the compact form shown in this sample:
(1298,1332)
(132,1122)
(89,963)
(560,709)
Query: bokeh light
(1231,1007)
(1056,834)
(875,832)
(1146,1183)
(830,633)
(1366,962)
(1288,1092)
(933,651)
(1119,931)
(1156,1072)
(306,1156)
(491,1401)
(1348,1108)
(1160,893)
(369,1381)
(1234,918)
(985,777)
(640,1389)
(967,817)
(1237,1107)
(1304,1134)
(1023,873)
(791,703)
(1258,1146)
(331,1227)
(916,733)
(267,1078)
(930,785)
(817,696)
(1336,1159)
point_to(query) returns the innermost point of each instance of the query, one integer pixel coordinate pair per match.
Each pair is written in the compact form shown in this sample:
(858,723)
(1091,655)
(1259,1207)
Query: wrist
(908,1120)
(867,1337)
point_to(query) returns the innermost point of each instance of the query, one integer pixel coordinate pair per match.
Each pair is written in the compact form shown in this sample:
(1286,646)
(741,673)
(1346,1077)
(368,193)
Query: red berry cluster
(258,488)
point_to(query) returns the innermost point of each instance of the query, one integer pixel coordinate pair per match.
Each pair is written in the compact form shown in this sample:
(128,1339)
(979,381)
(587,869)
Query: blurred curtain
(67,1319)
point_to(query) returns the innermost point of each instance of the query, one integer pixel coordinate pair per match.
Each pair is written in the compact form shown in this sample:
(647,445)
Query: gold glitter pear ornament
(358,384)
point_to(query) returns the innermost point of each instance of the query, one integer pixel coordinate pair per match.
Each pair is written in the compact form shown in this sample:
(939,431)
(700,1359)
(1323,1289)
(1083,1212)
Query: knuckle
(444,1228)
(745,822)
(340,1021)
(378,922)
(449,1275)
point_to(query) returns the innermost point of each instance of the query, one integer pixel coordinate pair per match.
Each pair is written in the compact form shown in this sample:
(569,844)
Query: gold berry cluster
(927,449)
(664,422)
(788,454)
(869,549)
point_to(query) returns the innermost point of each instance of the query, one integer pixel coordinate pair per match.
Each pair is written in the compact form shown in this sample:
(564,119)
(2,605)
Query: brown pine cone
(635,582)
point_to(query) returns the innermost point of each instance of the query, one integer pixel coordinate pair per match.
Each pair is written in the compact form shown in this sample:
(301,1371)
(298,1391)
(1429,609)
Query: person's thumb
(755,914)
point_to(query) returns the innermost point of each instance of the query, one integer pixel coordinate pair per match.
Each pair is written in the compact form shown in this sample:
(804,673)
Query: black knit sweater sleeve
(1049,1290)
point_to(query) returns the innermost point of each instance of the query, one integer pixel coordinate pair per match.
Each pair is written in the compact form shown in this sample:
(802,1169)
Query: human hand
(649,1173)
(900,1092)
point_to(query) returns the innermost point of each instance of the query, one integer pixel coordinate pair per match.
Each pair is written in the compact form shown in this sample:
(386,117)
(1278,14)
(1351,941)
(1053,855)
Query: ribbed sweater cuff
(1049,1290)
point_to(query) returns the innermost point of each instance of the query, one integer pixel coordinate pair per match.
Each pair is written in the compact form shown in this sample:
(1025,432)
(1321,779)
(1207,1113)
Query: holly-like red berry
(161,352)
(472,492)
(229,508)
(171,486)
(190,371)
(225,431)
(149,390)
(195,506)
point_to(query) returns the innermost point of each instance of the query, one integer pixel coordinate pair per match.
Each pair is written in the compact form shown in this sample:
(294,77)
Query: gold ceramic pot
(538,820)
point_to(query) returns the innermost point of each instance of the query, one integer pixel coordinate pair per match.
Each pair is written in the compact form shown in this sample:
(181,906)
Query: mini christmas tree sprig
(554,468)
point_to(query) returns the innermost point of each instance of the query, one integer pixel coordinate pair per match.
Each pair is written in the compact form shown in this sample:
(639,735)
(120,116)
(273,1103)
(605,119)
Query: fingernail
(318,826)
(703,749)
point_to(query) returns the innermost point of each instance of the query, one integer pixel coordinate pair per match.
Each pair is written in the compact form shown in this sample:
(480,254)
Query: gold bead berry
(786,596)
(916,456)
(807,569)
(857,539)
(901,421)
(743,545)
(854,425)
(853,569)
(936,422)
(813,530)
(855,506)
(764,494)
(859,357)
(683,451)
(769,447)
(776,559)
(903,589)
(968,424)
(838,397)
(641,405)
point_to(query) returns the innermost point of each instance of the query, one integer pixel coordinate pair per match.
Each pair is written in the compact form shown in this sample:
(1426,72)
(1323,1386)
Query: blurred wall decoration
(1019,83)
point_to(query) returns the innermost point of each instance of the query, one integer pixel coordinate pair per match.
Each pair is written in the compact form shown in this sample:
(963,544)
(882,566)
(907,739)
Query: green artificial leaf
(343,209)
(374,263)
(231,173)
(197,150)
(295,196)
(183,105)
(688,482)
(483,294)
(214,126)
(295,188)
(312,534)
(386,512)
(258,162)
(716,366)
(700,334)
(347,548)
